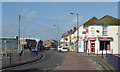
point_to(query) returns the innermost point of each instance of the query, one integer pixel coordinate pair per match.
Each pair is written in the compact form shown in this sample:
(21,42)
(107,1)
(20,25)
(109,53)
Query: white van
(62,49)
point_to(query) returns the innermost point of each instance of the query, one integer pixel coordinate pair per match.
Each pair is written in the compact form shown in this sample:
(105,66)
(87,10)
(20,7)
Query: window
(92,33)
(104,32)
(83,32)
(64,48)
(66,39)
(92,30)
(104,45)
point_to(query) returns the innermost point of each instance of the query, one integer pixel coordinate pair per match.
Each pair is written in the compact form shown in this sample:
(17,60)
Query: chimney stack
(75,29)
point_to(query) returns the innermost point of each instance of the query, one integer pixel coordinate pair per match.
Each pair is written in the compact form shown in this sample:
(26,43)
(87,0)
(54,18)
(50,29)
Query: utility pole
(19,34)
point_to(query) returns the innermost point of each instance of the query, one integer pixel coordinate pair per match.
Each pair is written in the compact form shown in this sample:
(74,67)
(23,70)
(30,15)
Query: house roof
(107,20)
(90,21)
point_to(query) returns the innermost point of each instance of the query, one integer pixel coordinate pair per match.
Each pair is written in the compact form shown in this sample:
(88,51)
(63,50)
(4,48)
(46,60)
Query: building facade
(102,36)
(97,36)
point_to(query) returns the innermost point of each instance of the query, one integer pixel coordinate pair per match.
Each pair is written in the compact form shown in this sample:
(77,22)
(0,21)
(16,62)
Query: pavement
(102,61)
(73,61)
(81,61)
(20,60)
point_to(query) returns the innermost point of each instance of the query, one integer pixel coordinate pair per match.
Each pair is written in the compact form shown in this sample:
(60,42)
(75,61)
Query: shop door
(85,46)
(92,47)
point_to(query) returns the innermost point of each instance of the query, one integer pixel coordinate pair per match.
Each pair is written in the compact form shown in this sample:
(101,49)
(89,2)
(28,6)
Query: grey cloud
(74,22)
(29,16)
(8,23)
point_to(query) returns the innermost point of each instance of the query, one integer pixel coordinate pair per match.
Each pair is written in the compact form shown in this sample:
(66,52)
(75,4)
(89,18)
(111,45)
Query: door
(92,47)
(85,46)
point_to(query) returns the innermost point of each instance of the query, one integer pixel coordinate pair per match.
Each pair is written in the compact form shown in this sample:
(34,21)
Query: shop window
(104,45)
(104,32)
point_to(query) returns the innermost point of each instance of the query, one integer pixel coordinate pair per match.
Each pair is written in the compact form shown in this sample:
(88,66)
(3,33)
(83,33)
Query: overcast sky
(38,18)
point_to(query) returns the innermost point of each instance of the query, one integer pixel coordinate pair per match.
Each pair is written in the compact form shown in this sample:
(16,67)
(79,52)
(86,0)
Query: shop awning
(105,38)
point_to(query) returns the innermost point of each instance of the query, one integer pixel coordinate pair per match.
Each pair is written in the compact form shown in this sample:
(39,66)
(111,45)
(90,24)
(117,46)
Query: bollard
(97,51)
(34,54)
(102,53)
(106,52)
(10,59)
(111,51)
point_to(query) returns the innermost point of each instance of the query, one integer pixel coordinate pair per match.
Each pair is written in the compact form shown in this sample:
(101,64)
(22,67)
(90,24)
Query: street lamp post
(77,30)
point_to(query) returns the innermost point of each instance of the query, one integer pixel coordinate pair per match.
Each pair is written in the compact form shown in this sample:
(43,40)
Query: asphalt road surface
(49,61)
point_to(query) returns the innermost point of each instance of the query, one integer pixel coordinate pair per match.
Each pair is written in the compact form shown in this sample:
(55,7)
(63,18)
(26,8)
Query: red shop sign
(91,38)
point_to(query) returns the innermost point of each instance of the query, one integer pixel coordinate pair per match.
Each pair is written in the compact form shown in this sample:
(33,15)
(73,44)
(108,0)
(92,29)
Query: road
(49,61)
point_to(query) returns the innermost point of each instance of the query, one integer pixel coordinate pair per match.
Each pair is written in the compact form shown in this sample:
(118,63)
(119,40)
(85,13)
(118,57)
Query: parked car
(47,48)
(53,48)
(65,49)
(62,49)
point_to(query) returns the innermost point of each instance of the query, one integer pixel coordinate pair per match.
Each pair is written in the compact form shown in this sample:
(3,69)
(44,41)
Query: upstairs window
(104,32)
(83,32)
(66,39)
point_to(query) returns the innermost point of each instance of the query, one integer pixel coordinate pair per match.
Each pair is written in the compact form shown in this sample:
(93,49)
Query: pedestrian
(20,54)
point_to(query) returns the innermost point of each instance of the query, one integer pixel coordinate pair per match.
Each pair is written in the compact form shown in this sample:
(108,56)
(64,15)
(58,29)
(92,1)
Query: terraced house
(98,36)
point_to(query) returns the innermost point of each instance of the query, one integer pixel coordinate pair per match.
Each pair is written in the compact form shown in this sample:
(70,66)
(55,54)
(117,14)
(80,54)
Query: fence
(114,61)
(19,59)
